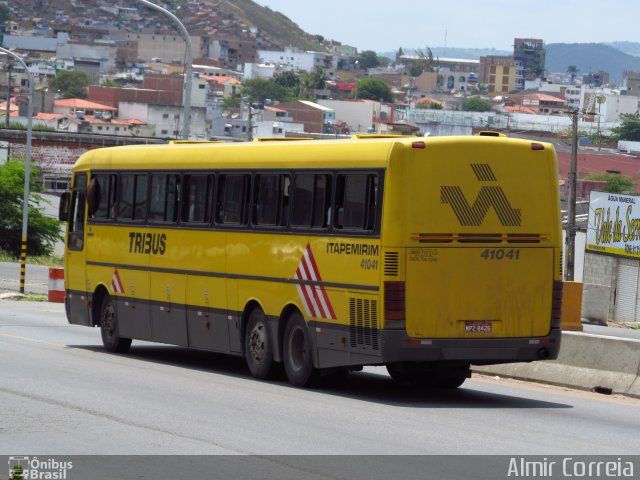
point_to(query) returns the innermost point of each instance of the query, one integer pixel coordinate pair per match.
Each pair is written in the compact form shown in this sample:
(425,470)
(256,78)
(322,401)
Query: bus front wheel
(109,327)
(258,347)
(298,359)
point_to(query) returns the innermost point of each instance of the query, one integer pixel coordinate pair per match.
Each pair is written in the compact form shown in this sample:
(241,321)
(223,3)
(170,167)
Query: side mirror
(63,208)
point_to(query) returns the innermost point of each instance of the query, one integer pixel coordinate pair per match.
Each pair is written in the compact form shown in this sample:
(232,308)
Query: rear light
(537,146)
(556,304)
(418,145)
(394,305)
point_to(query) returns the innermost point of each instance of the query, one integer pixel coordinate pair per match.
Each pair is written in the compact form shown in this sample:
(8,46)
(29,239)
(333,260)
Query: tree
(616,183)
(629,129)
(70,83)
(374,89)
(5,13)
(111,83)
(425,63)
(232,101)
(476,104)
(258,90)
(288,79)
(318,78)
(430,106)
(368,59)
(42,231)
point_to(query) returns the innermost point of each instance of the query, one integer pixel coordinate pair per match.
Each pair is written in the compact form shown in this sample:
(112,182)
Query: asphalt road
(60,393)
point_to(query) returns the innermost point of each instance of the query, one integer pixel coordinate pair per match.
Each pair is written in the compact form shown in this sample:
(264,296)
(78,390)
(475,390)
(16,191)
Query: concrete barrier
(595,303)
(571,316)
(586,361)
(56,285)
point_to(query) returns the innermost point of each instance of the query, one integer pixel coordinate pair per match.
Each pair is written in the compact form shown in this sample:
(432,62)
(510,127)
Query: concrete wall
(600,279)
(585,361)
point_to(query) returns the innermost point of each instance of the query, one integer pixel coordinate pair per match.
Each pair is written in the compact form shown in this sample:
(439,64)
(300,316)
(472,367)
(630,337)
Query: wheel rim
(108,320)
(297,349)
(257,342)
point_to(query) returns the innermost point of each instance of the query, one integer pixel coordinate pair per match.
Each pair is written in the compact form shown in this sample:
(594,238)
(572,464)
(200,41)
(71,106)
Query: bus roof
(364,152)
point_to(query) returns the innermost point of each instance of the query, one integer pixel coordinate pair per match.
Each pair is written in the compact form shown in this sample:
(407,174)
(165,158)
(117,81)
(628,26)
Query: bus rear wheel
(297,355)
(258,347)
(428,374)
(111,338)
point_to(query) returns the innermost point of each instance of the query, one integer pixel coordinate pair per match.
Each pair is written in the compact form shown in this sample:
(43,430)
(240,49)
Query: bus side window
(311,200)
(132,198)
(76,217)
(105,196)
(196,203)
(356,201)
(232,199)
(271,200)
(165,198)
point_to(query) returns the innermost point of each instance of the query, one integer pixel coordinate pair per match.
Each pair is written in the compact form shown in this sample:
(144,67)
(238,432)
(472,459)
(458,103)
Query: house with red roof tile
(541,103)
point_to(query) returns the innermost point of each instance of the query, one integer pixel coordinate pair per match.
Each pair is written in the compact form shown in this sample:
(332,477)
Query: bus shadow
(362,386)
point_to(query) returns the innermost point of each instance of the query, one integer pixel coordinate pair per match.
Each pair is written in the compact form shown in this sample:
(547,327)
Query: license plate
(477,327)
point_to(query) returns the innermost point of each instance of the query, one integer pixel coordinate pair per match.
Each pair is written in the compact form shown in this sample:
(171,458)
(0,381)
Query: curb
(587,362)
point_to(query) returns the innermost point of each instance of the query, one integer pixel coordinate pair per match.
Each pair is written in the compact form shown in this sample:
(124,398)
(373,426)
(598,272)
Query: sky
(383,25)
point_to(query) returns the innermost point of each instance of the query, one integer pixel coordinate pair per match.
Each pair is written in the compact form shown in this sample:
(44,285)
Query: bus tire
(297,355)
(109,327)
(258,347)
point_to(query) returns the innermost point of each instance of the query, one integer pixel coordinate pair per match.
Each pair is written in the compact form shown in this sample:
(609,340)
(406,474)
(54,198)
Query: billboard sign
(614,224)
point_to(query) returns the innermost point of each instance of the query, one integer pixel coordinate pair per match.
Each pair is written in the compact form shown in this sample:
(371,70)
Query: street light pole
(27,171)
(571,206)
(189,67)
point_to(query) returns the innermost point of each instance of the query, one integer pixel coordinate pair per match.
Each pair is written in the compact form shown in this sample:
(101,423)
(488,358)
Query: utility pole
(8,103)
(571,205)
(27,169)
(188,74)
(249,125)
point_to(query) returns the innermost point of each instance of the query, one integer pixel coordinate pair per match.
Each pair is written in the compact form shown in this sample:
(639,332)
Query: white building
(361,116)
(297,60)
(259,70)
(167,120)
(608,103)
(571,93)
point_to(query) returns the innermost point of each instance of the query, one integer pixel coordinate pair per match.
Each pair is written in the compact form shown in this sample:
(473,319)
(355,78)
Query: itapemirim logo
(489,196)
(32,468)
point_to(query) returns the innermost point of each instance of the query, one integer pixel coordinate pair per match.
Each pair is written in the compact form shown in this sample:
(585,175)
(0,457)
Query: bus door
(75,259)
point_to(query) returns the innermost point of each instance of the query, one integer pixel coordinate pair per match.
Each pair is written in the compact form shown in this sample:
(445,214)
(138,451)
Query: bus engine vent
(363,323)
(391,264)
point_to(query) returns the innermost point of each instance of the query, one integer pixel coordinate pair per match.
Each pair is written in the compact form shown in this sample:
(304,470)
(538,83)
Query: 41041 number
(501,254)
(368,264)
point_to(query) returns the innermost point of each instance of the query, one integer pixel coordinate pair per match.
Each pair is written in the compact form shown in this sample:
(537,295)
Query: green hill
(590,57)
(274,27)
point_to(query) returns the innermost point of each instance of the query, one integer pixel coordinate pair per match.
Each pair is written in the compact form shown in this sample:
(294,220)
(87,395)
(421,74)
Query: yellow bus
(425,255)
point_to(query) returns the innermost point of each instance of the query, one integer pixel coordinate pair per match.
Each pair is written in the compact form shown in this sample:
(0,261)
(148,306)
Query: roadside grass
(47,261)
(34,297)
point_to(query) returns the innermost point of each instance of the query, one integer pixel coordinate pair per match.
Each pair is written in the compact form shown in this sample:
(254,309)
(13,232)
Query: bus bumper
(396,346)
